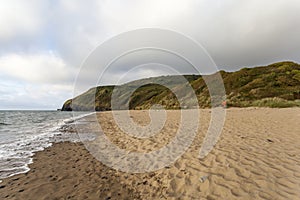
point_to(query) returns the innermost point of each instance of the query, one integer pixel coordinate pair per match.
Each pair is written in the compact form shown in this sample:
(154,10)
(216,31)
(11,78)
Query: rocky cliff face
(67,105)
(275,85)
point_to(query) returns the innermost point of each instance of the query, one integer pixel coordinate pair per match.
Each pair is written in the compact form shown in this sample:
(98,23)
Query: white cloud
(21,18)
(143,13)
(31,96)
(36,68)
(34,81)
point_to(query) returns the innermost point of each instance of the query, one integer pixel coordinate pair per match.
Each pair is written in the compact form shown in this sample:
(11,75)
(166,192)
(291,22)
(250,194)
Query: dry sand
(256,157)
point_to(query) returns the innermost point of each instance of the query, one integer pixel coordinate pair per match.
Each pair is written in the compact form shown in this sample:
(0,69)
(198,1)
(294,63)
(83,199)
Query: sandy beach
(256,157)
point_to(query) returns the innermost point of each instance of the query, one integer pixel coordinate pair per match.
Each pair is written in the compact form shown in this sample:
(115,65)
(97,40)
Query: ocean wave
(29,137)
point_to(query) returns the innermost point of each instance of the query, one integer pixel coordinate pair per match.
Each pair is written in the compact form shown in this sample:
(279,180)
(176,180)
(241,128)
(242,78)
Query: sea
(22,133)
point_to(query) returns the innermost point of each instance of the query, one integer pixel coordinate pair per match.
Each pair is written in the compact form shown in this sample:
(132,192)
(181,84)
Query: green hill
(275,85)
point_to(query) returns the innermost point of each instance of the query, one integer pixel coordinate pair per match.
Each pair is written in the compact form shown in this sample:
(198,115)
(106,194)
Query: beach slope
(256,157)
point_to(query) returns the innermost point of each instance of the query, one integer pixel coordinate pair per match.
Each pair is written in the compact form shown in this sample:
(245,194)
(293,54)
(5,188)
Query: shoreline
(256,157)
(48,180)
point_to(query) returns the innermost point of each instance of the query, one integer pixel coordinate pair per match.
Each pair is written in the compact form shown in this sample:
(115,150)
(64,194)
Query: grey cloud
(235,33)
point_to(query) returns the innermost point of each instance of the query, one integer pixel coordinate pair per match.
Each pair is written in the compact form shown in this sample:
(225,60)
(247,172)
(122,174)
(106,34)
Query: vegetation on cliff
(275,85)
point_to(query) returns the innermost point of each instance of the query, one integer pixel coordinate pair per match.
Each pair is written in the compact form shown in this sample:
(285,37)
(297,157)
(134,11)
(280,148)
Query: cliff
(275,85)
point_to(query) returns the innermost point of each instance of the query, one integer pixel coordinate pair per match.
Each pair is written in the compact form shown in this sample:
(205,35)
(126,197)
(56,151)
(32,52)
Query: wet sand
(256,157)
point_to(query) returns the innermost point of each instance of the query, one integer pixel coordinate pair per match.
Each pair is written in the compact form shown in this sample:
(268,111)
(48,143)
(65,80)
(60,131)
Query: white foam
(32,140)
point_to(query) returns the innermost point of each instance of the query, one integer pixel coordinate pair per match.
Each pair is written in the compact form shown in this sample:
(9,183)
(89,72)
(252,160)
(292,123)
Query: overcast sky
(43,43)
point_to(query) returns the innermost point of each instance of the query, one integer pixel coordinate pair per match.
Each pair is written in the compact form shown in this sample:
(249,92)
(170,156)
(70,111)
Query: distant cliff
(275,85)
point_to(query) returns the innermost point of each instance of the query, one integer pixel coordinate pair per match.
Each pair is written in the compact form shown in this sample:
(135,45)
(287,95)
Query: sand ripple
(257,157)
